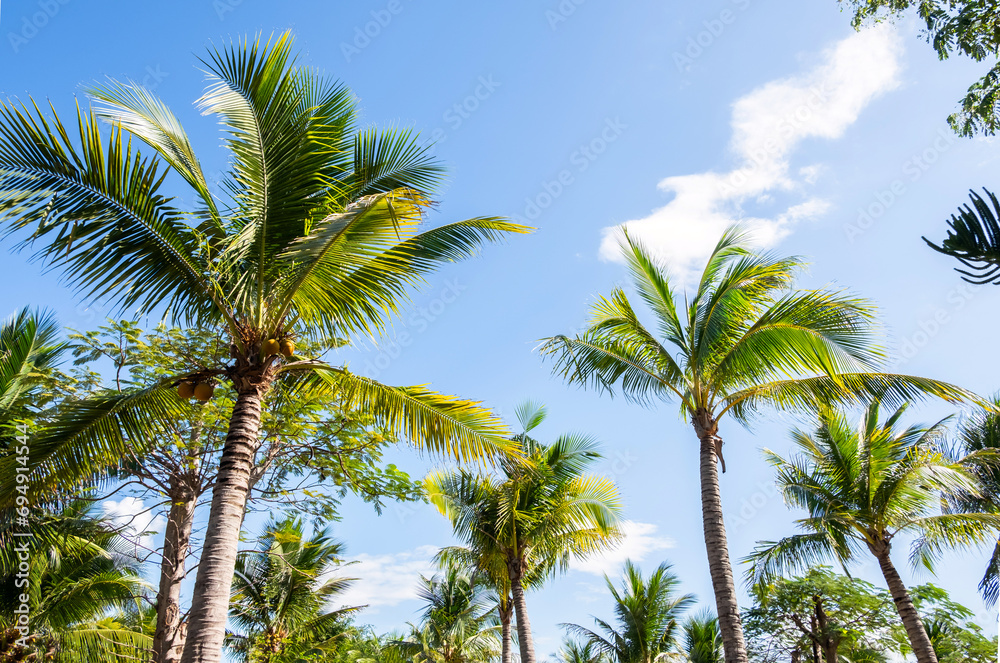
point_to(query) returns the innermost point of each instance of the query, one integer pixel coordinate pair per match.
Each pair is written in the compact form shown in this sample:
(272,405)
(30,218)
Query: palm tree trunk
(168,641)
(506,652)
(920,642)
(524,641)
(718,552)
(210,599)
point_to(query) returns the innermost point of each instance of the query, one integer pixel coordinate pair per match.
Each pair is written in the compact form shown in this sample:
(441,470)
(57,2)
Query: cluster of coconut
(273,346)
(203,391)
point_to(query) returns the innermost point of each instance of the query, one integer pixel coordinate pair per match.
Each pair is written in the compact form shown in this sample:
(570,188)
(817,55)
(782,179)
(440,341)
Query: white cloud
(140,523)
(387,580)
(640,540)
(767,124)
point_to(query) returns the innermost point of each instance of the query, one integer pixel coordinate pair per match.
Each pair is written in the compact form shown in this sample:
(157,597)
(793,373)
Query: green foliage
(955,27)
(703,639)
(281,594)
(83,590)
(459,622)
(861,486)
(648,612)
(745,340)
(974,240)
(956,638)
(850,615)
(538,513)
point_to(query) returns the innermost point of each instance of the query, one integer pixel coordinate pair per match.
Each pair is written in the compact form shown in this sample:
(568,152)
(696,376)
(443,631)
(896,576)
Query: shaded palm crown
(974,239)
(648,612)
(281,594)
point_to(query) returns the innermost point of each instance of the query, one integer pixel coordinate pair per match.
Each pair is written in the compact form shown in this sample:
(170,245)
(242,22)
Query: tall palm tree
(81,585)
(526,524)
(459,622)
(702,639)
(30,350)
(648,612)
(863,486)
(744,341)
(318,235)
(281,592)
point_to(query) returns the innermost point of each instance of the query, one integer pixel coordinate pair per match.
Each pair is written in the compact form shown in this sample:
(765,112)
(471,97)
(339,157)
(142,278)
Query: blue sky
(575,117)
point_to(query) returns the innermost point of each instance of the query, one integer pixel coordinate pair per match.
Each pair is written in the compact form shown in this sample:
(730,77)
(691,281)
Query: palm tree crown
(648,612)
(528,523)
(281,593)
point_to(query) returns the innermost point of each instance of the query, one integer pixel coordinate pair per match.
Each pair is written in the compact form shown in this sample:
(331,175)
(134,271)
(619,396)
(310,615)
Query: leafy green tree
(956,638)
(528,522)
(863,486)
(743,342)
(702,639)
(459,623)
(820,616)
(281,593)
(80,584)
(954,27)
(318,237)
(648,612)
(974,240)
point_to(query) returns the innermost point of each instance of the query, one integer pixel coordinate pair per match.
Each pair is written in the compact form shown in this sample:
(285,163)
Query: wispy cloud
(387,580)
(640,540)
(768,124)
(139,523)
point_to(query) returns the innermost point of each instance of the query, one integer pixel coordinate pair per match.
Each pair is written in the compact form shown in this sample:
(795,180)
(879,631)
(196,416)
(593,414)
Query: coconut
(203,391)
(270,347)
(185,390)
(287,347)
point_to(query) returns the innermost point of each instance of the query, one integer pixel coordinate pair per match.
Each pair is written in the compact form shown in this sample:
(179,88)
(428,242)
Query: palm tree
(319,236)
(863,486)
(974,239)
(573,651)
(526,524)
(648,612)
(281,592)
(30,351)
(459,623)
(82,586)
(980,433)
(702,639)
(745,341)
